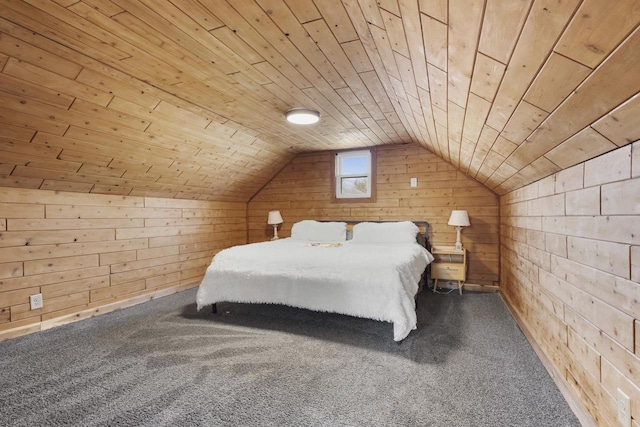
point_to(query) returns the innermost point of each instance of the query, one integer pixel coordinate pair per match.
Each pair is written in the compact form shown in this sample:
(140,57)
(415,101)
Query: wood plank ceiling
(186,98)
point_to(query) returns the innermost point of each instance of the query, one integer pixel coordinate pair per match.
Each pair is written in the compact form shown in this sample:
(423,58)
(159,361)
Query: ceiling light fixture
(302,116)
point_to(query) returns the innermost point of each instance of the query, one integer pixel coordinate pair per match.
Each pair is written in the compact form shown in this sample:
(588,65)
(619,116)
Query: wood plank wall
(302,190)
(86,251)
(570,247)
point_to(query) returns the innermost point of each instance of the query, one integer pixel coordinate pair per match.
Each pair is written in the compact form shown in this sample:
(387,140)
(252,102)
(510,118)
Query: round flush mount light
(302,116)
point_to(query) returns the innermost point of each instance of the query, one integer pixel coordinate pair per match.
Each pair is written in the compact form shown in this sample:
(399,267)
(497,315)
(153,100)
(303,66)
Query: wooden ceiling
(186,98)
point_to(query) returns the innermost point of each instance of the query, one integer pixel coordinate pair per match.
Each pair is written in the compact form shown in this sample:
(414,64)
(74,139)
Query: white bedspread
(374,281)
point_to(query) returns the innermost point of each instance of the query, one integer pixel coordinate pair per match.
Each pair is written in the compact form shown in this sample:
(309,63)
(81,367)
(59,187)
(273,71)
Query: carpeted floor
(163,363)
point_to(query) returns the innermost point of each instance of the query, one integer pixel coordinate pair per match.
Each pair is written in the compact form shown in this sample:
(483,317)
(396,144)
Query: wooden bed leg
(214,309)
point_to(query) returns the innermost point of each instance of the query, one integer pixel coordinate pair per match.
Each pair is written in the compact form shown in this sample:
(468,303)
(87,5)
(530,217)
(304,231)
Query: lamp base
(458,242)
(275,232)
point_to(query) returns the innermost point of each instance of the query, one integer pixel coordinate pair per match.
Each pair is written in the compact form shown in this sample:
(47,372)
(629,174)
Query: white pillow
(385,232)
(316,231)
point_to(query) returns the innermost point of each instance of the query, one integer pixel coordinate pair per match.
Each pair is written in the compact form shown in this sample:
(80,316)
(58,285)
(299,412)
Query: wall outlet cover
(36,301)
(624,409)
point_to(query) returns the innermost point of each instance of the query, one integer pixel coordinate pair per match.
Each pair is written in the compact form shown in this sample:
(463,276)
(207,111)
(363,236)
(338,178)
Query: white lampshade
(302,116)
(274,218)
(459,219)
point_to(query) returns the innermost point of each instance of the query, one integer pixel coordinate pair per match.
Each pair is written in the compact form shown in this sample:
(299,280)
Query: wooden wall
(86,253)
(302,190)
(570,247)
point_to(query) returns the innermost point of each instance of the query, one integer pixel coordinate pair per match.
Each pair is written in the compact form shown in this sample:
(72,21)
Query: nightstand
(449,264)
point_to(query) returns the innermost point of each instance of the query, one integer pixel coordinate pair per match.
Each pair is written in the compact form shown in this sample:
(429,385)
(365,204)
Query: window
(354,175)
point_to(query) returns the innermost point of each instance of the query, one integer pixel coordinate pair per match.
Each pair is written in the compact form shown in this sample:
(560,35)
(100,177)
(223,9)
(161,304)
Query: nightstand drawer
(447,271)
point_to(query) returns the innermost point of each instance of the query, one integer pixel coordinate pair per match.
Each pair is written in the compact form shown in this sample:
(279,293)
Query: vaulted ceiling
(186,98)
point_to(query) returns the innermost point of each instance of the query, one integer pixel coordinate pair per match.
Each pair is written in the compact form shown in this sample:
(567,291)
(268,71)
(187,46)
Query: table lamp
(275,219)
(459,219)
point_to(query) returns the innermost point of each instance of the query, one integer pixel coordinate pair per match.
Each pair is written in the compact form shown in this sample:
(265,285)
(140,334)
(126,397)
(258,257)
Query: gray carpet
(163,363)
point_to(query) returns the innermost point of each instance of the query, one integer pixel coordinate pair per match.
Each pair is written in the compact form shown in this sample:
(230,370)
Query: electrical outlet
(624,409)
(414,182)
(36,301)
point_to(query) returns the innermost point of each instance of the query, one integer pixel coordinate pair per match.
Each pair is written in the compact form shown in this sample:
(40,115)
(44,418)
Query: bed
(376,274)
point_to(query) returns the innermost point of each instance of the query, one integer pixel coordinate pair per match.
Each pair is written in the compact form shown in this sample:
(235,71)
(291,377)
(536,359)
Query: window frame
(335,176)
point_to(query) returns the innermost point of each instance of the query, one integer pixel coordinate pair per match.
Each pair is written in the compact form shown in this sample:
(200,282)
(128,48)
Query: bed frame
(423,239)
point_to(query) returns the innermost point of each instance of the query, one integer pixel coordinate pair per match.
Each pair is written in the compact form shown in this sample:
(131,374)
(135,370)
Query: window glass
(353,165)
(355,187)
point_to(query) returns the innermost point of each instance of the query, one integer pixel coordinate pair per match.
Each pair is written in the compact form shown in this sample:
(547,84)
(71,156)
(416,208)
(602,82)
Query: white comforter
(374,281)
